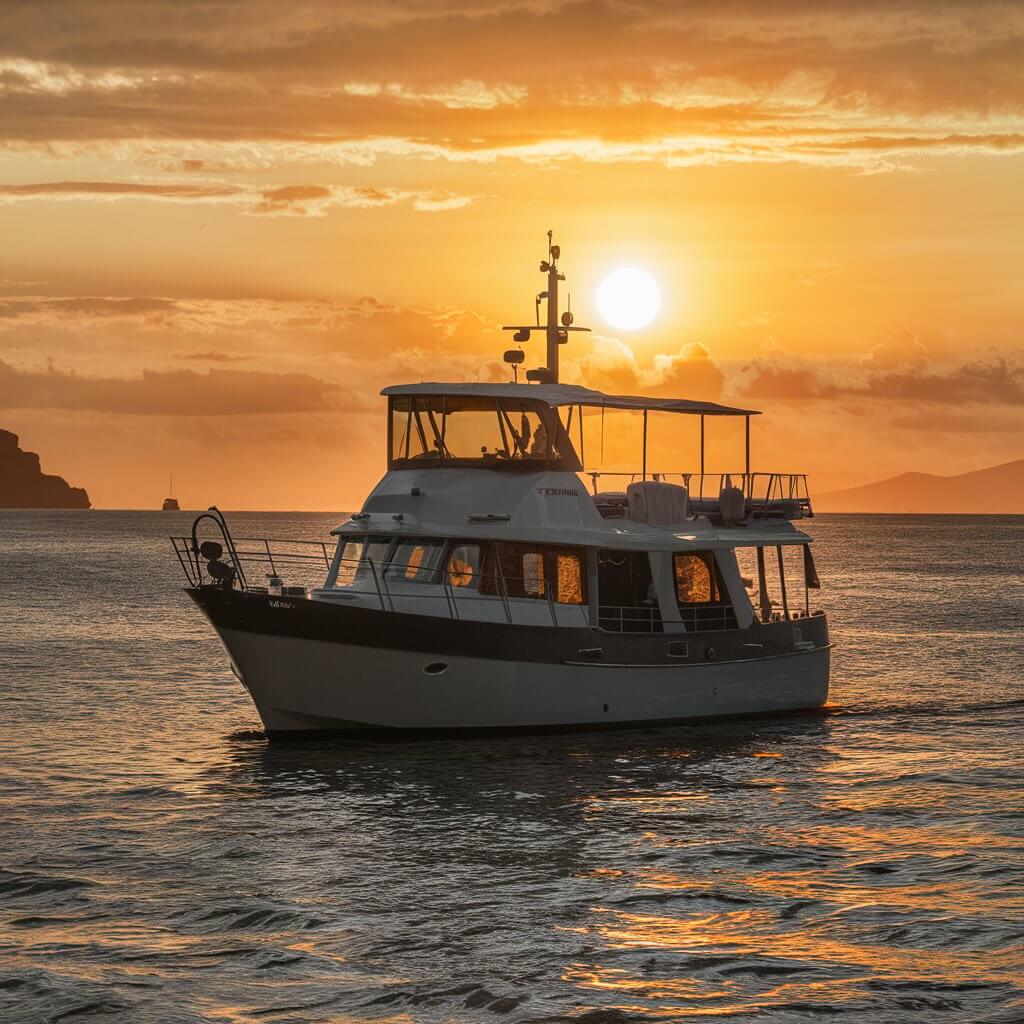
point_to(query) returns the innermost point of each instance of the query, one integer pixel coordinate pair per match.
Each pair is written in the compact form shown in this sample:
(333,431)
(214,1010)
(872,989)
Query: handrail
(277,555)
(376,583)
(764,492)
(216,516)
(375,580)
(615,618)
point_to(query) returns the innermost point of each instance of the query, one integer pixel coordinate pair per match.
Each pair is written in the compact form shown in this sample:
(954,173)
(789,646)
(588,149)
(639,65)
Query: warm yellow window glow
(570,579)
(694,583)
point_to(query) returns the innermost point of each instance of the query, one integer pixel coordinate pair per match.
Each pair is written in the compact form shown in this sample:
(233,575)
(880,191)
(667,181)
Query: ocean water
(160,862)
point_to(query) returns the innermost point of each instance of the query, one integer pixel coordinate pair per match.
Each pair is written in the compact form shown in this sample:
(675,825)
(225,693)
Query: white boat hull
(304,685)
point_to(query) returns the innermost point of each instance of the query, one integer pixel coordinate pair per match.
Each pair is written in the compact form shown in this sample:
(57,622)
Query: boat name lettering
(558,492)
(281,604)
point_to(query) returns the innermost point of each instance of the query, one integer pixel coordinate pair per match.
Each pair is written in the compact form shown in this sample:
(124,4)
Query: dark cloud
(218,330)
(994,381)
(769,380)
(776,79)
(214,357)
(114,189)
(168,393)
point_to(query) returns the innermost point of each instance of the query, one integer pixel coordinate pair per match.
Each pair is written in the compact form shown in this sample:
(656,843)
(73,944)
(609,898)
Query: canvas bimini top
(560,395)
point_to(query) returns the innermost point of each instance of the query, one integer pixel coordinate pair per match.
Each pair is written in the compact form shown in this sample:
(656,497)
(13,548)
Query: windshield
(492,433)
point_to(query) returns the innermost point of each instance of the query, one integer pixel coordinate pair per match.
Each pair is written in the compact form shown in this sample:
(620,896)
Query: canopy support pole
(746,472)
(583,457)
(645,446)
(702,445)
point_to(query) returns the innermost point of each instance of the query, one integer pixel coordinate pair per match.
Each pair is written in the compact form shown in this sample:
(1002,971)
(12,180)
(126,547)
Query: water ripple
(159,862)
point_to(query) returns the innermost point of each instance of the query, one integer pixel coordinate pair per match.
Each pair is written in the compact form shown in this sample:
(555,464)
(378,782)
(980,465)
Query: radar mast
(556,327)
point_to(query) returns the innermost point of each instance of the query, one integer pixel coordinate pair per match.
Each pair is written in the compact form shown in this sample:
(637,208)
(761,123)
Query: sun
(628,298)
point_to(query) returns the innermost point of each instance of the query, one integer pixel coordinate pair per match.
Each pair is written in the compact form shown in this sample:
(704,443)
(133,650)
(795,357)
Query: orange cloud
(992,381)
(704,83)
(170,393)
(900,349)
(295,200)
(689,372)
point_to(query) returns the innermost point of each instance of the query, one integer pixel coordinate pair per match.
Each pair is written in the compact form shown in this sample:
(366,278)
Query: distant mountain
(23,484)
(998,489)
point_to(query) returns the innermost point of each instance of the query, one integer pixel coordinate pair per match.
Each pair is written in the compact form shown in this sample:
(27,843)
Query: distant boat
(171,504)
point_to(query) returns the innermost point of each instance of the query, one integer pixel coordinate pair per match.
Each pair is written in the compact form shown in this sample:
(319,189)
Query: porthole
(710,653)
(436,668)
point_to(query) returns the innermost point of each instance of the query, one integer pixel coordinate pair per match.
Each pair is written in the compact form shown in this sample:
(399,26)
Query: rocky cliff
(23,484)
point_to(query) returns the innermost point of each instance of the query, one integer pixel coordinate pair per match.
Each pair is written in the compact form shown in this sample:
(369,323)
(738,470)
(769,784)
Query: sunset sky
(225,226)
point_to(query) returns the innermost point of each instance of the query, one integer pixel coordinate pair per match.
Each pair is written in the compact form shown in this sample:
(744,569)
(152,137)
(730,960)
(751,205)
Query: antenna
(556,327)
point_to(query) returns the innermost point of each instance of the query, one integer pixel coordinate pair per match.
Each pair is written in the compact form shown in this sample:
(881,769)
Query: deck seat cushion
(658,503)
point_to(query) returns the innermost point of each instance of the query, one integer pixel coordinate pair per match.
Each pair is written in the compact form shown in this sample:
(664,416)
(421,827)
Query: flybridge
(539,426)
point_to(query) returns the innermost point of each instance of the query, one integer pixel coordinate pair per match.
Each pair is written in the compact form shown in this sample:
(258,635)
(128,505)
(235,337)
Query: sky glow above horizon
(224,234)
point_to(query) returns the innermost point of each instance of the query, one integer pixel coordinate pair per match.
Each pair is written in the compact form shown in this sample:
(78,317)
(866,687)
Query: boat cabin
(483,515)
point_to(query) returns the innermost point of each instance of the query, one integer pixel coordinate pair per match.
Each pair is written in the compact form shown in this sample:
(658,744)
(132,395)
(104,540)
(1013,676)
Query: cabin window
(695,578)
(356,555)
(570,577)
(700,592)
(534,571)
(414,560)
(463,566)
(533,574)
(457,430)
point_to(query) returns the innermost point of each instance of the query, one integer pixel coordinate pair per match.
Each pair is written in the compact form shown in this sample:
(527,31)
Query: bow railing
(296,568)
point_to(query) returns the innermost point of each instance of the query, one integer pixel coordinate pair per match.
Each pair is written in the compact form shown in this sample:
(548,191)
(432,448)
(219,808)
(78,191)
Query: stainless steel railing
(457,592)
(765,494)
(302,565)
(629,618)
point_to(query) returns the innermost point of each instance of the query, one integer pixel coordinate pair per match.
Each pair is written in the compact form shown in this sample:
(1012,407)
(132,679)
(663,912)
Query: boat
(493,582)
(170,503)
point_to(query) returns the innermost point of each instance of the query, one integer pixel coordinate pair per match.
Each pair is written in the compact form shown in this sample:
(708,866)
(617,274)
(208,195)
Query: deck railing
(629,618)
(711,617)
(257,560)
(303,566)
(294,568)
(765,494)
